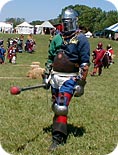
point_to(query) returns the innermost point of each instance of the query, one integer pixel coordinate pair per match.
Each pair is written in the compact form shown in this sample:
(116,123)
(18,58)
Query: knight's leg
(59,128)
(61,100)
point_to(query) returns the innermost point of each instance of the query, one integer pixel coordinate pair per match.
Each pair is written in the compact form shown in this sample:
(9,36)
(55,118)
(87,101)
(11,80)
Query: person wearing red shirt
(11,55)
(98,55)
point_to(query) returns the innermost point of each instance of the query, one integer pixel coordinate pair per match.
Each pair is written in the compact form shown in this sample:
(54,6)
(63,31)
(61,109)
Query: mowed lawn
(26,119)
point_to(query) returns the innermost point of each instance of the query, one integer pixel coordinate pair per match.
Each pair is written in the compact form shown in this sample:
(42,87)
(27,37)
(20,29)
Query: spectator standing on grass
(68,63)
(2,54)
(110,52)
(98,55)
(52,34)
(11,55)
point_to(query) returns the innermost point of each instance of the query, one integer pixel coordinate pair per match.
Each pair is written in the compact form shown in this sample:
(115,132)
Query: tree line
(92,19)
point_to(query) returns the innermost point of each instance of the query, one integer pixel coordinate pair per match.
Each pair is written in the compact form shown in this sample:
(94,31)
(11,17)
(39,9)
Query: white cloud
(3,2)
(114,2)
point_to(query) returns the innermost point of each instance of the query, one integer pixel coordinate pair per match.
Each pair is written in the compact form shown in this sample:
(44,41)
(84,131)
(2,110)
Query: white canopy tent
(6,27)
(113,31)
(88,34)
(113,28)
(46,25)
(25,28)
(39,29)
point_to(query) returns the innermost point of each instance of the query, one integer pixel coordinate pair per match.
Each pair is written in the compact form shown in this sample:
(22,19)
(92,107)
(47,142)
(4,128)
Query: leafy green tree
(15,21)
(92,19)
(37,22)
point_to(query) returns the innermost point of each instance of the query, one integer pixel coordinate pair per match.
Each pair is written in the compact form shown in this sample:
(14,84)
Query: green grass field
(26,119)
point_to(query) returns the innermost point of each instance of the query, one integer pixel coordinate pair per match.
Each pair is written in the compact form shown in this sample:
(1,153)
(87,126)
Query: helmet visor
(68,25)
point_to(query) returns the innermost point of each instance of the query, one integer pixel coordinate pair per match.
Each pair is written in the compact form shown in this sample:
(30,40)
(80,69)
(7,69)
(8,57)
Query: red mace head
(15,90)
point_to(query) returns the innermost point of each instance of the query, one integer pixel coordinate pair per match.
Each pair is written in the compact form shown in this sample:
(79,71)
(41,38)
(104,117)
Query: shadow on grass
(72,130)
(23,146)
(75,130)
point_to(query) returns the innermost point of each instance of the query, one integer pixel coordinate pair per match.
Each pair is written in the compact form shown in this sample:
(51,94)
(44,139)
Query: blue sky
(43,10)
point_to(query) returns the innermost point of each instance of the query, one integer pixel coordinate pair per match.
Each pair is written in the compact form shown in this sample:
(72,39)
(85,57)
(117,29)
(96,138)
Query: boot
(94,71)
(100,71)
(53,146)
(57,139)
(92,74)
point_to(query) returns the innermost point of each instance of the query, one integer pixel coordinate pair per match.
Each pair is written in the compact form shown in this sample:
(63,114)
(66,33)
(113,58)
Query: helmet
(69,20)
(100,45)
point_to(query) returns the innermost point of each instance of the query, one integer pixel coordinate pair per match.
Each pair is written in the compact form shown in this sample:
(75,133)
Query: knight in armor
(68,64)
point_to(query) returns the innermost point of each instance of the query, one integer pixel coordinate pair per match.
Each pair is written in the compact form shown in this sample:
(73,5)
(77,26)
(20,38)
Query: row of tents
(26,28)
(112,31)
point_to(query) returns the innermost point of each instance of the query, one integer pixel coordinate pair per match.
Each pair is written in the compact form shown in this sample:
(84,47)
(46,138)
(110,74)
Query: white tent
(25,28)
(39,29)
(113,28)
(6,27)
(47,24)
(113,31)
(88,34)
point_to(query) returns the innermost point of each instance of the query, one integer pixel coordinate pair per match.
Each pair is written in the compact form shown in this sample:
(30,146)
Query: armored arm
(84,63)
(81,80)
(83,71)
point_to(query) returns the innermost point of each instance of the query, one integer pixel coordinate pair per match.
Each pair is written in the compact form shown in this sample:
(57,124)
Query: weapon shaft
(33,87)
